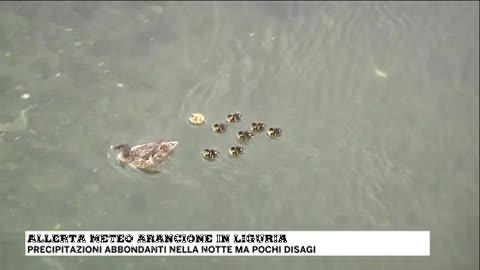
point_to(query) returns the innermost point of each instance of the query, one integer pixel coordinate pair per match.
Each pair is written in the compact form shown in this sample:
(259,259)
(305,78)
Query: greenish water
(379,103)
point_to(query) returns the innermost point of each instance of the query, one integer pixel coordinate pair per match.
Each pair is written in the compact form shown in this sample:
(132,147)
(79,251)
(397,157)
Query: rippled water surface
(379,103)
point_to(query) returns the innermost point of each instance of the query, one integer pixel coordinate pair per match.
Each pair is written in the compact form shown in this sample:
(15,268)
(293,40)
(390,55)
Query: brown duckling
(234,117)
(219,127)
(257,126)
(210,154)
(235,151)
(274,132)
(244,136)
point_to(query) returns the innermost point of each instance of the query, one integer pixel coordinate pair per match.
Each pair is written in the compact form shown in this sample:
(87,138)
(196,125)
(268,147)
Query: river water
(378,101)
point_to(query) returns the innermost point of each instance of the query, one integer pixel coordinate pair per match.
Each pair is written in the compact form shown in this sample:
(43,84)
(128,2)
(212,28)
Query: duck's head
(241,135)
(125,148)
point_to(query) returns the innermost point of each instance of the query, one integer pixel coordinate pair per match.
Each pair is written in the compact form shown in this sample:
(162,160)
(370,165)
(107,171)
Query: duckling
(235,151)
(234,117)
(219,127)
(274,132)
(257,126)
(244,136)
(196,119)
(144,156)
(210,154)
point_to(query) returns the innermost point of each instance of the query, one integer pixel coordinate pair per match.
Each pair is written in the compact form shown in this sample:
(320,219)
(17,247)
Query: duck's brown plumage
(145,156)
